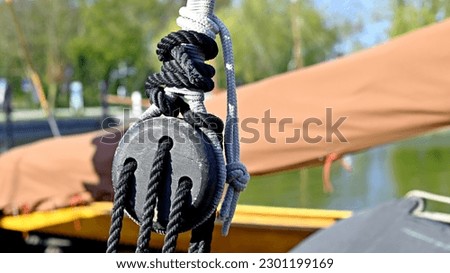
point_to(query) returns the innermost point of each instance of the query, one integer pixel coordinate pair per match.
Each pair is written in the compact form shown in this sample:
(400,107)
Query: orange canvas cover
(394,91)
(390,92)
(58,172)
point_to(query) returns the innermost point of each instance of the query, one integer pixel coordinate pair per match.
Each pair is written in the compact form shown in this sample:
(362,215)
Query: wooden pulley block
(192,155)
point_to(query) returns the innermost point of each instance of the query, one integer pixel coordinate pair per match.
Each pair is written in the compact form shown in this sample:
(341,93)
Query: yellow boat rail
(254,229)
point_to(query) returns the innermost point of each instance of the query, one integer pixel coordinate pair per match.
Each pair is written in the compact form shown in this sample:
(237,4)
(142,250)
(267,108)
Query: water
(379,174)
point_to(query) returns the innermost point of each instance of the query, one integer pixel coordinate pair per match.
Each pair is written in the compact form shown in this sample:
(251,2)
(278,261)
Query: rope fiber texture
(201,237)
(182,68)
(180,87)
(120,197)
(179,208)
(179,211)
(199,16)
(158,171)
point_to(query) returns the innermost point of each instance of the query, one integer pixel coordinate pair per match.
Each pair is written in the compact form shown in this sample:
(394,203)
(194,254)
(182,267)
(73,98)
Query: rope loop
(120,197)
(184,71)
(165,104)
(206,44)
(197,15)
(237,178)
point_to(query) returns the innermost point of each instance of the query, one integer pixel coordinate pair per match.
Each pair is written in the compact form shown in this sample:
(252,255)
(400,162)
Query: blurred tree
(116,32)
(12,64)
(222,3)
(296,23)
(412,14)
(267,40)
(60,27)
(92,38)
(48,27)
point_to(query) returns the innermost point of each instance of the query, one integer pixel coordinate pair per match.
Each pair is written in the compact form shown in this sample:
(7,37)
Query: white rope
(198,15)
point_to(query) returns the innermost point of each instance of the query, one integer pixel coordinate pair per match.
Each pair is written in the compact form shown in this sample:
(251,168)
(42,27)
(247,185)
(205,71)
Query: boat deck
(254,229)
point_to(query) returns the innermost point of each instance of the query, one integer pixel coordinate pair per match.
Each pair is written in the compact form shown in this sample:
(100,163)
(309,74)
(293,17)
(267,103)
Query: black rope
(162,157)
(120,198)
(183,54)
(208,121)
(206,44)
(179,208)
(201,236)
(182,67)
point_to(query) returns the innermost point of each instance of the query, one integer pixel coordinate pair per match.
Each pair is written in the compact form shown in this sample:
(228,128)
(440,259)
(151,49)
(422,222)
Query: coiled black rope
(182,67)
(183,54)
(206,44)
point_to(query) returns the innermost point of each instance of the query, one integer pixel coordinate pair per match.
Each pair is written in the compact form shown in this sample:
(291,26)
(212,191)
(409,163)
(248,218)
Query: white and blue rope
(198,15)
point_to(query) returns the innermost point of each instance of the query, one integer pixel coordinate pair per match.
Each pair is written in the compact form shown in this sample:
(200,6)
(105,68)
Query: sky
(374,16)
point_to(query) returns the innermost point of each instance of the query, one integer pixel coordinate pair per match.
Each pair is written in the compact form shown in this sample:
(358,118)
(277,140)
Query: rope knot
(159,98)
(237,176)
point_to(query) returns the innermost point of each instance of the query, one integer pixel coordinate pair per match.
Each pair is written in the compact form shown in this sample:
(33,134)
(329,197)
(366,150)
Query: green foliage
(262,37)
(48,27)
(93,37)
(115,32)
(413,14)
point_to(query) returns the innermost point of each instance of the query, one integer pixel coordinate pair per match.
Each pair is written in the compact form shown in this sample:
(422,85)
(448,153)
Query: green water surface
(379,174)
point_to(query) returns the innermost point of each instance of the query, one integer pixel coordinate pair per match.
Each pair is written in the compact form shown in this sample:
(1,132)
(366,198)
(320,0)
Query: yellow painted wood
(292,218)
(254,229)
(43,219)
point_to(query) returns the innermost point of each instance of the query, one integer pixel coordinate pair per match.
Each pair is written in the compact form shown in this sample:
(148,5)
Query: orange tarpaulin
(394,91)
(57,172)
(390,92)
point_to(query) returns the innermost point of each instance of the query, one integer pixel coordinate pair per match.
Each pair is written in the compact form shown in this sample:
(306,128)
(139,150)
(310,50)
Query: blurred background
(85,51)
(96,41)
